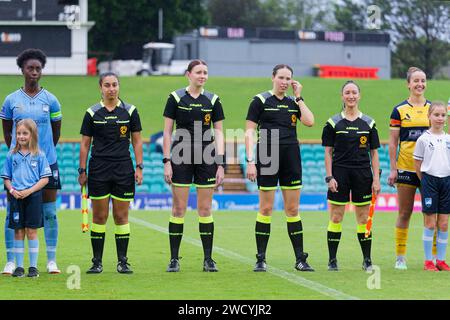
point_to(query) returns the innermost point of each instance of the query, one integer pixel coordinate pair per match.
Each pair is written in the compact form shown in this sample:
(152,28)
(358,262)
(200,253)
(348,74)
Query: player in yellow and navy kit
(109,126)
(195,157)
(409,120)
(275,115)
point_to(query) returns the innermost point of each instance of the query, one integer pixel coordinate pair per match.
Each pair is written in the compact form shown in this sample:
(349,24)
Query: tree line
(419,29)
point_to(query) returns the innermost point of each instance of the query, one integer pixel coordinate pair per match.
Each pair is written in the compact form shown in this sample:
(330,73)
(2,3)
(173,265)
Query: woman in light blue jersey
(34,102)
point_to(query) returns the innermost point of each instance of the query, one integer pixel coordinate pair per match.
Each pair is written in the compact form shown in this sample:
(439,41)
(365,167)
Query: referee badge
(363,141)
(207,118)
(123,131)
(294,119)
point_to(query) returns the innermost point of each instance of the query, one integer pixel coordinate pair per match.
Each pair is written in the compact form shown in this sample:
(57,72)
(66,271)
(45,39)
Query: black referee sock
(206,229)
(365,243)
(98,240)
(333,237)
(262,233)
(295,231)
(122,233)
(176,226)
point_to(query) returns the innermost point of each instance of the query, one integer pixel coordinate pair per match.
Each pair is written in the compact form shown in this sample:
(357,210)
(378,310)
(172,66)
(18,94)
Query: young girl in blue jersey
(34,102)
(432,163)
(25,173)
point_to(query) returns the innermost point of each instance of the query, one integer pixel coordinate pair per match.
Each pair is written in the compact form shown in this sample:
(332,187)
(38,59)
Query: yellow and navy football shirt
(412,121)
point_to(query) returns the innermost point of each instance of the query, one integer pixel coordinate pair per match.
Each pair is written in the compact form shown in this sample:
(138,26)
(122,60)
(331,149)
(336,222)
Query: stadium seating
(312,162)
(313,165)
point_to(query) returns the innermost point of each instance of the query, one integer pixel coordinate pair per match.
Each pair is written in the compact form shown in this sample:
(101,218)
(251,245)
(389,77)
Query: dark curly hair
(31,54)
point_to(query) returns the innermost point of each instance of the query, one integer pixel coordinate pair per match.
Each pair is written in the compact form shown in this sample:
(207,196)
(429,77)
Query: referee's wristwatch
(299,99)
(81,170)
(328,179)
(140,166)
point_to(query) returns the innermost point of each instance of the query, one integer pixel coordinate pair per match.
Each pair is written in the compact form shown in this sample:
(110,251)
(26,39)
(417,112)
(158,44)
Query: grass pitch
(235,254)
(149,94)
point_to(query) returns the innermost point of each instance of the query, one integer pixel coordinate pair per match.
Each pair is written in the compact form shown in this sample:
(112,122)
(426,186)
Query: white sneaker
(400,263)
(9,268)
(52,268)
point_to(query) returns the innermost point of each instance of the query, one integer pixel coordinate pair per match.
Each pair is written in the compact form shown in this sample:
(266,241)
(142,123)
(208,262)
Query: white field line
(289,276)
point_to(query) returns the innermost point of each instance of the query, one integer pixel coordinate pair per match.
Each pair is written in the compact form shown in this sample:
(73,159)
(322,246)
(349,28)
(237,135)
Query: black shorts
(288,172)
(26,213)
(435,194)
(194,169)
(109,178)
(357,181)
(408,178)
(54,181)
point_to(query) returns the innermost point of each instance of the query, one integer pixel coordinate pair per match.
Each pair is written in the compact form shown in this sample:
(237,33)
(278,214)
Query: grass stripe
(289,276)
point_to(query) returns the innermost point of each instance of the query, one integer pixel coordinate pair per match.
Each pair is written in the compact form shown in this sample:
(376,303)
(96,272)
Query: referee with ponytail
(108,126)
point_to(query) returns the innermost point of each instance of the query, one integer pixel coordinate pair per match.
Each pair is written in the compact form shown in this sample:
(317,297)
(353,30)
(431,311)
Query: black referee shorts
(288,173)
(111,179)
(357,181)
(193,169)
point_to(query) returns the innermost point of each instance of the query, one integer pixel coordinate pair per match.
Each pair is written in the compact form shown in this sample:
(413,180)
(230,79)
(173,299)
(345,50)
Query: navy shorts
(356,181)
(289,171)
(26,213)
(435,194)
(408,178)
(54,181)
(111,179)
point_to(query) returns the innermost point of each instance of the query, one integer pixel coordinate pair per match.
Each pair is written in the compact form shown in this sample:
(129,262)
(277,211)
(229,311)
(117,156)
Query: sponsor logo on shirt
(414,134)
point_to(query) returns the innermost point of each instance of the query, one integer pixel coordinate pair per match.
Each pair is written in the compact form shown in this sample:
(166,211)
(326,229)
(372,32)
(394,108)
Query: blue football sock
(18,252)
(428,243)
(33,251)
(50,229)
(9,237)
(441,244)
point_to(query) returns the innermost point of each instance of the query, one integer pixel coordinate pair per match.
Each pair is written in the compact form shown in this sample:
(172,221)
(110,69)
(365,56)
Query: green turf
(149,94)
(149,255)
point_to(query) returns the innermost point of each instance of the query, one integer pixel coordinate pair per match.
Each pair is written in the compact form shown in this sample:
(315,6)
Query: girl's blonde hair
(434,105)
(30,125)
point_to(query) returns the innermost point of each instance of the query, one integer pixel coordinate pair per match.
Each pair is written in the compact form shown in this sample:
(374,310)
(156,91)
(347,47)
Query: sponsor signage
(237,202)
